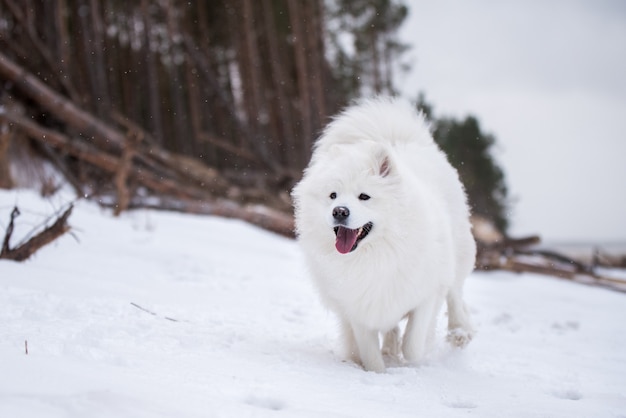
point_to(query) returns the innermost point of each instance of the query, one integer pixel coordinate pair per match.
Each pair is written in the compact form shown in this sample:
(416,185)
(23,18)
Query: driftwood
(262,216)
(130,160)
(517,255)
(608,260)
(28,248)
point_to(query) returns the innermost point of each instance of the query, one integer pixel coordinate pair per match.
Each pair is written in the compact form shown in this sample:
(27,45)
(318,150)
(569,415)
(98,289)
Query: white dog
(384,224)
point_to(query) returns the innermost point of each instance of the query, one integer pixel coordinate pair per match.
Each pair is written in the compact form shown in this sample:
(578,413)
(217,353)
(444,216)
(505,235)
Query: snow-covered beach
(159,314)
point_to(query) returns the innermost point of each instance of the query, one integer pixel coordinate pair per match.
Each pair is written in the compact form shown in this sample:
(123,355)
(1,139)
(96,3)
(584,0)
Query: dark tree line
(243,86)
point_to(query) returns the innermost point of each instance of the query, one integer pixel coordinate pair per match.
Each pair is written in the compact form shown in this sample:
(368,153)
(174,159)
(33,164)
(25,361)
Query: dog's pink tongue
(345,239)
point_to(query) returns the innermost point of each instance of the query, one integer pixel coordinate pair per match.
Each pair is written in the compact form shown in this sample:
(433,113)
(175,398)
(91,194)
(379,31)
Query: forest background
(175,104)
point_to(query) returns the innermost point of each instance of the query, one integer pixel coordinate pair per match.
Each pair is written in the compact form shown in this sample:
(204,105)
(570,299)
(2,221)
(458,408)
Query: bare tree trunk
(102,103)
(63,45)
(179,119)
(92,56)
(155,119)
(195,114)
(300,50)
(6,182)
(388,70)
(376,62)
(315,41)
(253,81)
(281,114)
(210,119)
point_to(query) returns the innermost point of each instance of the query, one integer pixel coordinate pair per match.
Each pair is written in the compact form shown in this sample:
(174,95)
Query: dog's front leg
(369,348)
(418,328)
(351,351)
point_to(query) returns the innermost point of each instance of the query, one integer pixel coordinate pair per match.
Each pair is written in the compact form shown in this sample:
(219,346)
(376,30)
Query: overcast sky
(548,79)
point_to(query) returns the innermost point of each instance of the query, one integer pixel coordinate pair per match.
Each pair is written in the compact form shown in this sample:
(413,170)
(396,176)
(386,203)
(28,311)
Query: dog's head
(350,193)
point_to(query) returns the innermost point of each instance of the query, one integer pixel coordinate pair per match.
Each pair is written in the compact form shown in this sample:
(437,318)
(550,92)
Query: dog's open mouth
(348,239)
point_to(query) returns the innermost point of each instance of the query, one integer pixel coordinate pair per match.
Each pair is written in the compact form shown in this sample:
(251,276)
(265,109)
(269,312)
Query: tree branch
(25,250)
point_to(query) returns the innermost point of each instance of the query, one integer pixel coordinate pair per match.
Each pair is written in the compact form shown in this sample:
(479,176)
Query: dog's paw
(459,337)
(376,365)
(392,343)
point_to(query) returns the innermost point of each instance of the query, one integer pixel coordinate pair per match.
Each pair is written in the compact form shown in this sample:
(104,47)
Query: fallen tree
(40,239)
(272,220)
(101,136)
(520,256)
(127,167)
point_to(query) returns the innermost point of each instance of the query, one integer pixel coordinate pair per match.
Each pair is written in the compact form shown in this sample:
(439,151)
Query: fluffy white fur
(420,248)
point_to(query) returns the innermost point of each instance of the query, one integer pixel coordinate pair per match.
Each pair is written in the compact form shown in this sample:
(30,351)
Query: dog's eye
(333,195)
(364,196)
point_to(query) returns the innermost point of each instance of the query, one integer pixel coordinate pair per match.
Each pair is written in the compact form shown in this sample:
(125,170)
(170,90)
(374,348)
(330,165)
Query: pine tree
(470,151)
(364,44)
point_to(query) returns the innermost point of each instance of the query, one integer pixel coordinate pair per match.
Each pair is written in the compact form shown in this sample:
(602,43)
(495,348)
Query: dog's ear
(384,163)
(385,166)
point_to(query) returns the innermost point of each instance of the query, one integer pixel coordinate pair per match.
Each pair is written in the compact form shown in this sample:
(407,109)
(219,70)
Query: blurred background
(547,79)
(179,105)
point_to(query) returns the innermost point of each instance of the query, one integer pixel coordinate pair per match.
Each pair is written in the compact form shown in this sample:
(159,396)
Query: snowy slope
(239,332)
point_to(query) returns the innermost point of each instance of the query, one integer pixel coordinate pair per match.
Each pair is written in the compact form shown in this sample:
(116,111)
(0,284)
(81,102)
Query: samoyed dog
(383,221)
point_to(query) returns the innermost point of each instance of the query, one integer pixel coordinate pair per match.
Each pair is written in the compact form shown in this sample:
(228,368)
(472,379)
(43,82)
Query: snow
(236,330)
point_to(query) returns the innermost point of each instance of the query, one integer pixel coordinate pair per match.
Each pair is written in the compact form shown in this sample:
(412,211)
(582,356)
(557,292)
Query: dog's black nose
(340,213)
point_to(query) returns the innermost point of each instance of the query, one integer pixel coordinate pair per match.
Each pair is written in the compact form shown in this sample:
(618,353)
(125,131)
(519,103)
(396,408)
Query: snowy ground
(246,335)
